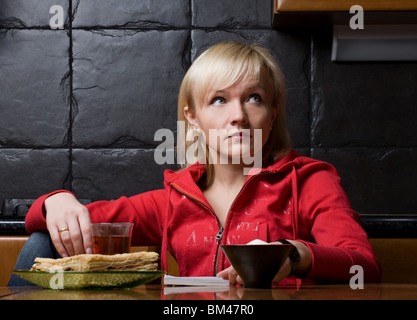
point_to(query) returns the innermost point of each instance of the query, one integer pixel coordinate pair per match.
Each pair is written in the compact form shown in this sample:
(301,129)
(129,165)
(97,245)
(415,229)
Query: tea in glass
(112,238)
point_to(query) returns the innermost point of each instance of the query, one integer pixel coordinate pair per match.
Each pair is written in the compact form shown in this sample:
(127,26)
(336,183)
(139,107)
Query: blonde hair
(221,66)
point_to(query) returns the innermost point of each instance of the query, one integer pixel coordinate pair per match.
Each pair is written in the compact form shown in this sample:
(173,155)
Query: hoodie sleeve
(339,240)
(145,210)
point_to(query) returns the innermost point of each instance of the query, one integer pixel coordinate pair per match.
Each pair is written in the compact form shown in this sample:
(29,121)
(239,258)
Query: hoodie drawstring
(294,203)
(164,245)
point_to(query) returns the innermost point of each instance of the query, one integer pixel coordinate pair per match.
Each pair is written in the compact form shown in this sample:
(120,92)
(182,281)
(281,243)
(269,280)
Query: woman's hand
(231,275)
(69,224)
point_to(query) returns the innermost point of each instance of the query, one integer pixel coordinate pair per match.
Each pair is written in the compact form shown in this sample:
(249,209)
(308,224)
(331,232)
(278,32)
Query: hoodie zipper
(218,237)
(219,234)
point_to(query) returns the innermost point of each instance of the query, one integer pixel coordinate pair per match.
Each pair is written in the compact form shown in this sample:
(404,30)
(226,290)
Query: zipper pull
(219,234)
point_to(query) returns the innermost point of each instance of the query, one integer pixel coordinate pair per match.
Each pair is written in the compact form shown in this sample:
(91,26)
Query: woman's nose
(238,113)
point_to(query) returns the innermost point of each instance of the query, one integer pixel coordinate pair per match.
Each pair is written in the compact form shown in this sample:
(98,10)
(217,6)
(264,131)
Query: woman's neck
(228,176)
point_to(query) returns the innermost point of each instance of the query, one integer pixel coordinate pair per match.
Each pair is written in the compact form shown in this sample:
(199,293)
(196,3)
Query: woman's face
(229,117)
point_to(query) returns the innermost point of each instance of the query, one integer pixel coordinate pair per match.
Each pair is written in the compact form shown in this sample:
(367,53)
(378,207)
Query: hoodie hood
(193,173)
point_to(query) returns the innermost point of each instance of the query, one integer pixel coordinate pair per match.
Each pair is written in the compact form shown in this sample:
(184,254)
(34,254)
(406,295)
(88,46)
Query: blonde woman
(232,101)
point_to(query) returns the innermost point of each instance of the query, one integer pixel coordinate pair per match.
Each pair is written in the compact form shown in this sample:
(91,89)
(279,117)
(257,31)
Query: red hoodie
(295,198)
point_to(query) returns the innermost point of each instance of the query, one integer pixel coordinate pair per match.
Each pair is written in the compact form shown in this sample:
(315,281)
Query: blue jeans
(39,244)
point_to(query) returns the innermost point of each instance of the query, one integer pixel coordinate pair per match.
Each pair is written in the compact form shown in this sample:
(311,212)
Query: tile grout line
(71,100)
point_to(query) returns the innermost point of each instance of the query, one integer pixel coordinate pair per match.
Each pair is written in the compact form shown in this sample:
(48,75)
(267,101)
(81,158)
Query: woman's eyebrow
(220,91)
(255,87)
(248,88)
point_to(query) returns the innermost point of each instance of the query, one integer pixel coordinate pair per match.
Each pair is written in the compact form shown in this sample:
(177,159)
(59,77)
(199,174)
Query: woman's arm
(60,209)
(339,240)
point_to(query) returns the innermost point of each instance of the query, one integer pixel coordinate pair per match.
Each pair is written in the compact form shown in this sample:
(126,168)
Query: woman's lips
(239,135)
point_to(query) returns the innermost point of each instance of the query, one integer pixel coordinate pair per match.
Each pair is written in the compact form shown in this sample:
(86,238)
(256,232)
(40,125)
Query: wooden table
(385,291)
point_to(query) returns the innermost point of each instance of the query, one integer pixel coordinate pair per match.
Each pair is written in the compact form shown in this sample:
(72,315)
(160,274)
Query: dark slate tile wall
(80,106)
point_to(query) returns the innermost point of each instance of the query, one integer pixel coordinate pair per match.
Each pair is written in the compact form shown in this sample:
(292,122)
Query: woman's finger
(66,239)
(75,236)
(224,274)
(230,274)
(86,231)
(56,240)
(239,280)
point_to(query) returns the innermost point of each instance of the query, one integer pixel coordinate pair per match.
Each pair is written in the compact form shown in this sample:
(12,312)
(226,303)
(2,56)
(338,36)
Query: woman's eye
(255,98)
(218,101)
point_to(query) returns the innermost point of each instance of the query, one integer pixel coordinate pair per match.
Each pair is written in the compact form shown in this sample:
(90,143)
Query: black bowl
(257,264)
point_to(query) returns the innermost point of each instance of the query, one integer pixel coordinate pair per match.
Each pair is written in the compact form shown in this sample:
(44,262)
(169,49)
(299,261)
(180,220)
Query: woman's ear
(190,116)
